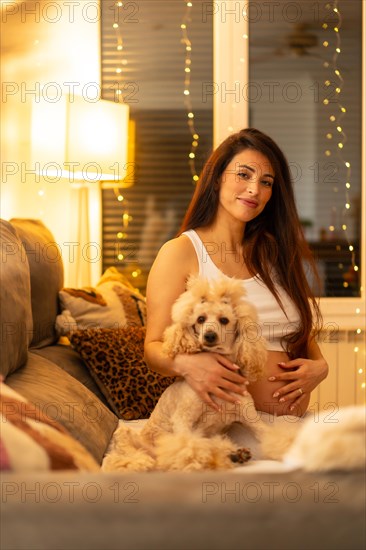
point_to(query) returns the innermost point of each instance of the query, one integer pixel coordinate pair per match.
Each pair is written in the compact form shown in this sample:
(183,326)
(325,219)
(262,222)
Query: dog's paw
(241,455)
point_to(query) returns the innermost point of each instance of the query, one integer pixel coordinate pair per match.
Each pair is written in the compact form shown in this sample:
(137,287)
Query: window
(305,69)
(270,72)
(148,74)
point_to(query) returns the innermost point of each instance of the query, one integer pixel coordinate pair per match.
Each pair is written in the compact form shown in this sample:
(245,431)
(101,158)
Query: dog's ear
(250,349)
(179,339)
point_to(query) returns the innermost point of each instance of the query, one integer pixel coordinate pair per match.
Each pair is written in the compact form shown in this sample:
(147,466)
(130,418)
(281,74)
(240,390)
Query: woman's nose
(253,186)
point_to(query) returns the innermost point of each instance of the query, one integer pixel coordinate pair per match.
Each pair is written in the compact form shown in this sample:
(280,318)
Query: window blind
(151,78)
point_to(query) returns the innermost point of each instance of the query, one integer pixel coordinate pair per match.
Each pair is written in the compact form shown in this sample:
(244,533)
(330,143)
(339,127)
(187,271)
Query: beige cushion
(112,304)
(46,273)
(15,295)
(115,359)
(62,398)
(31,441)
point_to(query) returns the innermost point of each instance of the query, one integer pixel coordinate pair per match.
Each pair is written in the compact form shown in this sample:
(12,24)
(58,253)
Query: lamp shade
(80,140)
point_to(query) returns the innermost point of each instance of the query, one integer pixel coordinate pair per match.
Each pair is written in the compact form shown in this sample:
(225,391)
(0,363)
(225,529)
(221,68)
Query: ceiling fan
(299,43)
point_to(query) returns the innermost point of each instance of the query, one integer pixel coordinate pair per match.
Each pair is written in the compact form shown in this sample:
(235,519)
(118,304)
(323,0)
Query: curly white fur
(183,433)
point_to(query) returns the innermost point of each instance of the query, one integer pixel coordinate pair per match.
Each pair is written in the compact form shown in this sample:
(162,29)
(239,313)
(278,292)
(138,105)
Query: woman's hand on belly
(273,394)
(301,377)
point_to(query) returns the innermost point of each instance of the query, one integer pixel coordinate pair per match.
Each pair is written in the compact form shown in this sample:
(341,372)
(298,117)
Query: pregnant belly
(263,390)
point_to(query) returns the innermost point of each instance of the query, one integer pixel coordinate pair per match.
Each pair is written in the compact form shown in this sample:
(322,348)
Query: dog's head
(214,316)
(209,311)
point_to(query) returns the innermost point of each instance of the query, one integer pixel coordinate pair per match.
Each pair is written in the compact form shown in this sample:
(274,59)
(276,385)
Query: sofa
(74,504)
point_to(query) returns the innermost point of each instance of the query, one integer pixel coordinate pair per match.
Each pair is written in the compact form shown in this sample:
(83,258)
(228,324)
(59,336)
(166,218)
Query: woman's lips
(248,202)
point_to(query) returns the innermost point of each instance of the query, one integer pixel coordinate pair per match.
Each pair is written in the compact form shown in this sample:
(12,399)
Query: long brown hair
(273,239)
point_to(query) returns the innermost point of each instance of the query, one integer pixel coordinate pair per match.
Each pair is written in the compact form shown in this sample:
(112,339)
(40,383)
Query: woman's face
(246,185)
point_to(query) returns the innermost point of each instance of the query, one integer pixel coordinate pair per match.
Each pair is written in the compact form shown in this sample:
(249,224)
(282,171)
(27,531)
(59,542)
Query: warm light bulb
(120,198)
(192,155)
(328,153)
(337,72)
(350,248)
(183,26)
(115,25)
(355,268)
(347,205)
(340,145)
(190,115)
(195,177)
(348,164)
(119,47)
(338,50)
(339,128)
(344,227)
(186,92)
(325,44)
(348,185)
(329,136)
(332,118)
(196,136)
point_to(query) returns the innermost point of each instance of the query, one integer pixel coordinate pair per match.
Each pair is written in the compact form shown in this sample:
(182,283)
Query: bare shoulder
(175,261)
(177,254)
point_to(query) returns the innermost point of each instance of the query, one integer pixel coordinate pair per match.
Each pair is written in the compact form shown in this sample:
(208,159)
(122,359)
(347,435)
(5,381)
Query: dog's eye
(201,319)
(224,320)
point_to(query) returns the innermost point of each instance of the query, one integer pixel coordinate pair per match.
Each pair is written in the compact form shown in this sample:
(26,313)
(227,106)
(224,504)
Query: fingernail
(245,392)
(276,394)
(272,378)
(292,408)
(236,366)
(282,363)
(246,383)
(281,400)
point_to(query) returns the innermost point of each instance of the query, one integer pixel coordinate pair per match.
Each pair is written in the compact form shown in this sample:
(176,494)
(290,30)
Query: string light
(186,92)
(338,138)
(122,62)
(337,82)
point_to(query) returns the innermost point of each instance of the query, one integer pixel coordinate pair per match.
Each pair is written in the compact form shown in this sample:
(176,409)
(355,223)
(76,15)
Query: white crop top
(273,322)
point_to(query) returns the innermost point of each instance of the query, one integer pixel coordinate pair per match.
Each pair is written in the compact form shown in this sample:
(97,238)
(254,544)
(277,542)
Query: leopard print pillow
(115,360)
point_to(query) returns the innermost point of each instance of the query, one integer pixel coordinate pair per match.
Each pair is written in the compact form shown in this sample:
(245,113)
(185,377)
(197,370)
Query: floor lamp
(83,144)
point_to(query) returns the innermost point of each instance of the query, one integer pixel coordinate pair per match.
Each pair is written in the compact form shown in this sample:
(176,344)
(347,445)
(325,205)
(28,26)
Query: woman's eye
(267,183)
(201,319)
(224,320)
(243,175)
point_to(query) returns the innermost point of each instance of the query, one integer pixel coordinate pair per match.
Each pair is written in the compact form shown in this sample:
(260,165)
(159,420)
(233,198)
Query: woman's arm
(306,376)
(209,374)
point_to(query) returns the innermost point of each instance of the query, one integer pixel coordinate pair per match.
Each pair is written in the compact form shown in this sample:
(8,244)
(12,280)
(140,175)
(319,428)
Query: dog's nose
(210,337)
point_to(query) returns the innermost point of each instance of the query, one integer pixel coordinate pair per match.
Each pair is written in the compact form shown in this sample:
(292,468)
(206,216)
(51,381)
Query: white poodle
(183,433)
